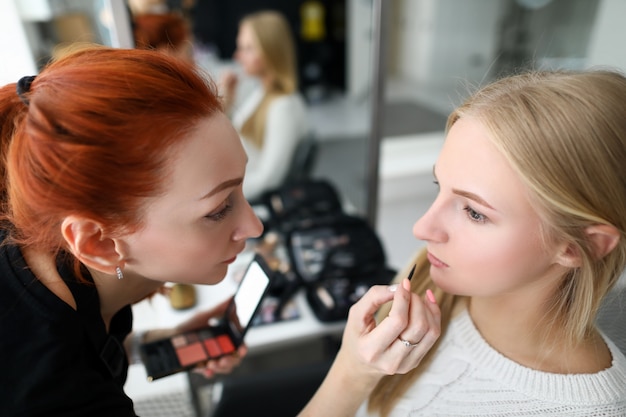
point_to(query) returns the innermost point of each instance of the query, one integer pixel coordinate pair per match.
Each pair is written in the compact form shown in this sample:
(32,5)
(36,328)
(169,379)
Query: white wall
(607,37)
(445,42)
(415,24)
(443,39)
(359,45)
(16,59)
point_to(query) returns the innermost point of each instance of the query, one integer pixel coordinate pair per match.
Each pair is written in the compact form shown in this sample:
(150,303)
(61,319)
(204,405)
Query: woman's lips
(231,260)
(434,261)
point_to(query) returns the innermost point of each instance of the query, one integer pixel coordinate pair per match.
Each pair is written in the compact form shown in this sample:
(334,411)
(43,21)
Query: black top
(54,360)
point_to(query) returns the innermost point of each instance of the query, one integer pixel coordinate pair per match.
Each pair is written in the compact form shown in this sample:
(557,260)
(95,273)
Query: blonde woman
(523,242)
(272,119)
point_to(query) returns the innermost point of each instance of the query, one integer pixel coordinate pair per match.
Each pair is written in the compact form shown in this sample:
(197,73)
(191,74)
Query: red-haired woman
(121,173)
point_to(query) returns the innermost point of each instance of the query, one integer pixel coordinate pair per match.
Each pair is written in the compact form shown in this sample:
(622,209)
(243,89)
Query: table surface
(157,313)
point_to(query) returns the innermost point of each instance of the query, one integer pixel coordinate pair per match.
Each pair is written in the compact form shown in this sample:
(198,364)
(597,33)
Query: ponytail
(13,109)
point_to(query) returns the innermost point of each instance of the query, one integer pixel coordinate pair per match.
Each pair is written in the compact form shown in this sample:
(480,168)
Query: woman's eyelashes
(474,216)
(221,212)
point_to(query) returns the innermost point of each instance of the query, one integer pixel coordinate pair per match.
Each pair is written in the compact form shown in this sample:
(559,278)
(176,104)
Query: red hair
(153,31)
(95,140)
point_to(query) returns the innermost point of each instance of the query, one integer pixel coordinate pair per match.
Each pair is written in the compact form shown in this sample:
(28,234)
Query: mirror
(439,51)
(50,25)
(333,38)
(333,42)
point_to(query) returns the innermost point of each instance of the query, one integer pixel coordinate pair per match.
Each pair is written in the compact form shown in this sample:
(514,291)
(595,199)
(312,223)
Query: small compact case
(184,351)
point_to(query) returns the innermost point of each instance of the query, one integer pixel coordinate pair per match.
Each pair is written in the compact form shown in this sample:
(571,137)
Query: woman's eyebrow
(472,196)
(226,184)
(467,194)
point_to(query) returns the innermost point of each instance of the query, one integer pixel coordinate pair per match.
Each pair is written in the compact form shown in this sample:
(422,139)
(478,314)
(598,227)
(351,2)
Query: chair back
(303,160)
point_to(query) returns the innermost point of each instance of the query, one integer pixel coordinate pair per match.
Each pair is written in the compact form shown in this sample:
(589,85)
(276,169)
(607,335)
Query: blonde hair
(564,133)
(277,46)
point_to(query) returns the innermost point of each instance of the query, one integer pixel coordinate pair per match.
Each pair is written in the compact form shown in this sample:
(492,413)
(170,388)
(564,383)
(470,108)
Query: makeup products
(182,296)
(184,351)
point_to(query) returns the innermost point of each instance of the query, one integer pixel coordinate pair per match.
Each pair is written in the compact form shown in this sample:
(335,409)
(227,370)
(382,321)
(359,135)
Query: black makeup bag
(338,259)
(287,207)
(335,256)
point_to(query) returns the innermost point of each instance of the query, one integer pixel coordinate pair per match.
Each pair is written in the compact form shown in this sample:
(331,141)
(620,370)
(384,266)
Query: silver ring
(407,343)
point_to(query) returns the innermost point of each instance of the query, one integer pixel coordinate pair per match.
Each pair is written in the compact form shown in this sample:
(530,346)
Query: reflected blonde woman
(272,119)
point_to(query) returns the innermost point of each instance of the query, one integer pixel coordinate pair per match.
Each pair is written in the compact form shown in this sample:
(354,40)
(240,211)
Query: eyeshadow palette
(183,351)
(167,356)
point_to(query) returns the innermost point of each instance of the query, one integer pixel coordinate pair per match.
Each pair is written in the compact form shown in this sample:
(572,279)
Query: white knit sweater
(469,378)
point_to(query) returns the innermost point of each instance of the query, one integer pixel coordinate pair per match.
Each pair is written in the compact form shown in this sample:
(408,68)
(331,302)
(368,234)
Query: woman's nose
(251,226)
(430,227)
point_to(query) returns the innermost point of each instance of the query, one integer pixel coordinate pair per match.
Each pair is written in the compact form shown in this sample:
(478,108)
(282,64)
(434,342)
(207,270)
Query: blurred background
(379,78)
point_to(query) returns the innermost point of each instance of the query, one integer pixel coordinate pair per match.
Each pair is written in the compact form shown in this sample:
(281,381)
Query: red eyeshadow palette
(184,351)
(167,356)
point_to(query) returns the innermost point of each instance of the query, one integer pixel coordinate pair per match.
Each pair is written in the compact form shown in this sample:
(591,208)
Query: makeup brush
(411,273)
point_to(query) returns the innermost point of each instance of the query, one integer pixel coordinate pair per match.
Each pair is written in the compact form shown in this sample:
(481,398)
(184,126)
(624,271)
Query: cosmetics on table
(184,351)
(182,296)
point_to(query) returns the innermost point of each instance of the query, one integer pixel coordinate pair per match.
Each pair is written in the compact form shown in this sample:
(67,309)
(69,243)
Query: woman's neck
(115,294)
(43,266)
(519,329)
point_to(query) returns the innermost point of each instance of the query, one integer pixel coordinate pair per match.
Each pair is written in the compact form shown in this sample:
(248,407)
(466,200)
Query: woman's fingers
(418,339)
(201,319)
(398,318)
(434,319)
(411,318)
(424,316)
(228,81)
(223,365)
(362,313)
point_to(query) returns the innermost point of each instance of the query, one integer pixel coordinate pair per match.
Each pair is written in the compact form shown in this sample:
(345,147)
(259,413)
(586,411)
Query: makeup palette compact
(184,351)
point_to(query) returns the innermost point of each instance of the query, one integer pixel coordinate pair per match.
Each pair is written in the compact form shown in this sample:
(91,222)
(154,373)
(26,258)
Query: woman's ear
(87,243)
(604,238)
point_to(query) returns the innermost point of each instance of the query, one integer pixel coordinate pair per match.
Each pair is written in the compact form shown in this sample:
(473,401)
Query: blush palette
(184,351)
(167,356)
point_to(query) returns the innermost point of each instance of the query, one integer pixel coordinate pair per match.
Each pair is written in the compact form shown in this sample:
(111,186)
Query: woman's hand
(228,87)
(399,342)
(228,81)
(223,365)
(369,350)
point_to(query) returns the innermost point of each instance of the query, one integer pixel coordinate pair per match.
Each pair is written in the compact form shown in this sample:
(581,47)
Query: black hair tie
(23,87)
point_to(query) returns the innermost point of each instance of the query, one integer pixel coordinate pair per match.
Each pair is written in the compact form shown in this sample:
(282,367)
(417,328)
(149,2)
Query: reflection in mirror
(439,51)
(52,25)
(332,41)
